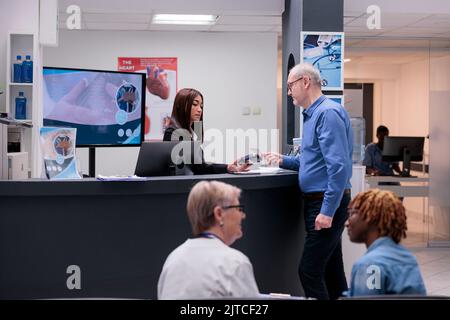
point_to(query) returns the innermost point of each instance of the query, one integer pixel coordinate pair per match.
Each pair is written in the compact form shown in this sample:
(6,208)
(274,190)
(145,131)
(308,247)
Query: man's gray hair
(306,69)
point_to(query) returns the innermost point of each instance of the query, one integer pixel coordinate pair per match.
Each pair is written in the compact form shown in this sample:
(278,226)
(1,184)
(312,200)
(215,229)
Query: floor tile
(434,263)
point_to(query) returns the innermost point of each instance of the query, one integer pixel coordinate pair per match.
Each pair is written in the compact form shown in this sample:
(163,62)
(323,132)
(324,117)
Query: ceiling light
(347,60)
(200,19)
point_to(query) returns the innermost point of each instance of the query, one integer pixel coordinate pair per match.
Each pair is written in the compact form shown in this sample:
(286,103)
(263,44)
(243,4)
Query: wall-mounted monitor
(106,107)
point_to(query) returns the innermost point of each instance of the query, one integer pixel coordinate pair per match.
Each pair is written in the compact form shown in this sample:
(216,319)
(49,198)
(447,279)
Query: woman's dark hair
(182,105)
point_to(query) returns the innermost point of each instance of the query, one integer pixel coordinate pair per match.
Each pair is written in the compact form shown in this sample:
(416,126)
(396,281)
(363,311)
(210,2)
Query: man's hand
(273,158)
(67,109)
(323,222)
(372,172)
(396,168)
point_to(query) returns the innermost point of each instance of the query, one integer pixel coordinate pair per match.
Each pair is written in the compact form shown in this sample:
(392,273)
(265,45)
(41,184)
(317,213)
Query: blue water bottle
(21,106)
(359,135)
(27,70)
(17,70)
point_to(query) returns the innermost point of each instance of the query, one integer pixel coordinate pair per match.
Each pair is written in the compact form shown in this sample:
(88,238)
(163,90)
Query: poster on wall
(58,151)
(161,90)
(325,51)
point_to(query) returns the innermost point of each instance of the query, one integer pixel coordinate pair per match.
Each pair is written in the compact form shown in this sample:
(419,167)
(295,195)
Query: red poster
(161,90)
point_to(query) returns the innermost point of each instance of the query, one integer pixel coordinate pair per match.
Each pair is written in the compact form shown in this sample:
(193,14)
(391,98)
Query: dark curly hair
(384,210)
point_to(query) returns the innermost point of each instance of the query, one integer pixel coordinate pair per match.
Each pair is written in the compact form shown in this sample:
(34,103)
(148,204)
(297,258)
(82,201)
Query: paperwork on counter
(121,178)
(261,170)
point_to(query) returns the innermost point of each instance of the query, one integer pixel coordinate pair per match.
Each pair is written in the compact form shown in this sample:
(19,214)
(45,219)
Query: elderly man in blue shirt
(378,219)
(325,169)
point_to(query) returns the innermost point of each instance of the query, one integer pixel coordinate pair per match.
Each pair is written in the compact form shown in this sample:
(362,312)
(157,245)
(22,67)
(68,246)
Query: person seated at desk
(187,115)
(373,159)
(377,218)
(205,267)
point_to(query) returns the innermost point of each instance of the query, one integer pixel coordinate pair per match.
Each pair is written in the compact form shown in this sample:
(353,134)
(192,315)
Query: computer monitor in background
(167,158)
(404,149)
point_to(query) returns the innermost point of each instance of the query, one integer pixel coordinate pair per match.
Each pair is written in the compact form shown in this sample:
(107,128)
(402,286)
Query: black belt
(313,196)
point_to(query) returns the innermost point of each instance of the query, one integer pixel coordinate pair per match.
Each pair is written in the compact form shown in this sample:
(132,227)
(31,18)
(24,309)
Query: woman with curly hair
(377,218)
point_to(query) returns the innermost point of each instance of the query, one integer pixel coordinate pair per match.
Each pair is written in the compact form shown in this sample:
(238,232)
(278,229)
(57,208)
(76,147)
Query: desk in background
(410,186)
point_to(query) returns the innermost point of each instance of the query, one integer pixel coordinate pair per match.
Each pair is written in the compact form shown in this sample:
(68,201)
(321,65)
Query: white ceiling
(235,15)
(401,25)
(409,28)
(400,19)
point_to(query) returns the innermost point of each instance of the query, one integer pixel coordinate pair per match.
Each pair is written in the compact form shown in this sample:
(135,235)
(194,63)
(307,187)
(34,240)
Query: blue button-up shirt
(373,158)
(325,158)
(386,268)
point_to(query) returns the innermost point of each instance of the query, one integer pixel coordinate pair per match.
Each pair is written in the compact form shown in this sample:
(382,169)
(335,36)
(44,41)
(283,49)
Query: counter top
(154,185)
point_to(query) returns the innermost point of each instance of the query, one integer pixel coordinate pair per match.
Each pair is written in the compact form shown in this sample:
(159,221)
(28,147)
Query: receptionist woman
(188,110)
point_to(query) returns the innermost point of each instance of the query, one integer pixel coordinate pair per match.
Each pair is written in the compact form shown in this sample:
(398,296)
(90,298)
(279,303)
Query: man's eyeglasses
(240,207)
(290,84)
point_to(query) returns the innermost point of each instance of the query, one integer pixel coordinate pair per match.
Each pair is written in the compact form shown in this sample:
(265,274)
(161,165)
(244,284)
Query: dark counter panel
(120,233)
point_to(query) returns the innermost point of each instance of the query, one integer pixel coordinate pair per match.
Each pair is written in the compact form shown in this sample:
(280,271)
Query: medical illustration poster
(161,90)
(58,151)
(325,51)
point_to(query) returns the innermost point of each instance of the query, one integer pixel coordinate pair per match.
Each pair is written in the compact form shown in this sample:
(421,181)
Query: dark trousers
(321,269)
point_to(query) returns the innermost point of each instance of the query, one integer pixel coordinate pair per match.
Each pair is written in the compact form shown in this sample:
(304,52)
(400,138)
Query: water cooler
(359,134)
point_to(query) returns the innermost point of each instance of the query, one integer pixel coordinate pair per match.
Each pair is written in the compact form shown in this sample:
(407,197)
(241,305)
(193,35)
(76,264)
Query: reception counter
(97,239)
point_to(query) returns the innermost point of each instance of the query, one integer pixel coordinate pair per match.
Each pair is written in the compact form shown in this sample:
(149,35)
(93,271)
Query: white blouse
(205,268)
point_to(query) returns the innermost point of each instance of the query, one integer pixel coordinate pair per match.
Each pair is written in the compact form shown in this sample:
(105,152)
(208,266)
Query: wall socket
(256,111)
(246,111)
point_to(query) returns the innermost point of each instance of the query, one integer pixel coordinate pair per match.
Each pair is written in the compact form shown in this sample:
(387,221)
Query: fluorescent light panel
(199,19)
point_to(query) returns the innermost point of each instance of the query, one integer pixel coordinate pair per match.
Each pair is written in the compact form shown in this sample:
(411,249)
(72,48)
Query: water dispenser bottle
(27,70)
(359,134)
(17,70)
(21,106)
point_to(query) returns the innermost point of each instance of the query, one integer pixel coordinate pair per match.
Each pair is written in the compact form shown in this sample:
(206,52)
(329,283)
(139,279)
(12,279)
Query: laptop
(155,158)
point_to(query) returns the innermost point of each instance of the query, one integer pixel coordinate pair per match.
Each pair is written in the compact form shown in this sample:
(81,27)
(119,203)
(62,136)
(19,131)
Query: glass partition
(439,118)
(397,71)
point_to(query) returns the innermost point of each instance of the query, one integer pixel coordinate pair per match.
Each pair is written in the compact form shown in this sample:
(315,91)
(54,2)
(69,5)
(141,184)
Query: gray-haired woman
(205,266)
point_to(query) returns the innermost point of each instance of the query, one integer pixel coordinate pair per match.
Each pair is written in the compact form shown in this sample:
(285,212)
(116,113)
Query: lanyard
(208,235)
